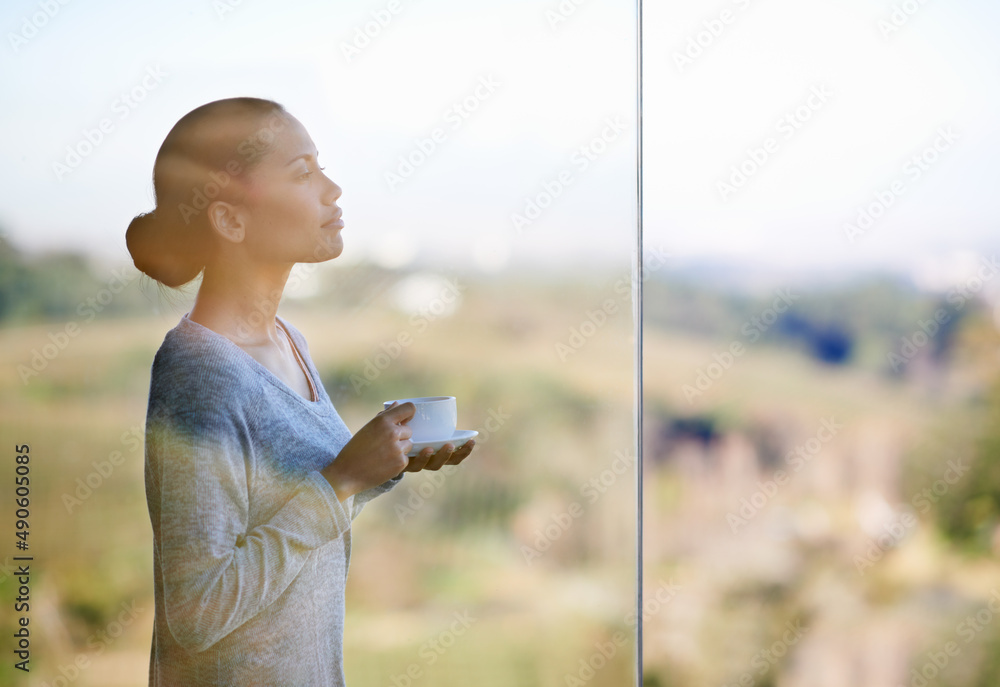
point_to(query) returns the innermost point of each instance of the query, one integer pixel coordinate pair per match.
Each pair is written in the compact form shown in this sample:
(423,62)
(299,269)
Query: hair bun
(157,253)
(171,244)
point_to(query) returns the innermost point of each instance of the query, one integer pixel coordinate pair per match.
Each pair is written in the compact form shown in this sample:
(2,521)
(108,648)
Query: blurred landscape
(825,498)
(821,476)
(477,574)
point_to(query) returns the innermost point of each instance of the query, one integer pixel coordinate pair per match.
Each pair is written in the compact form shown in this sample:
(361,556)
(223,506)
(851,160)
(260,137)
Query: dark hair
(206,150)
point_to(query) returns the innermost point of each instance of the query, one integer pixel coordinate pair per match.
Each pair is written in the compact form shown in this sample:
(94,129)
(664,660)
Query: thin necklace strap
(302,363)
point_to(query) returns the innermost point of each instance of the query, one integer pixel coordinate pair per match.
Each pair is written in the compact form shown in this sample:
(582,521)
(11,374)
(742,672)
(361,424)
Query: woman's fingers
(427,459)
(405,446)
(400,412)
(441,457)
(403,434)
(462,453)
(418,461)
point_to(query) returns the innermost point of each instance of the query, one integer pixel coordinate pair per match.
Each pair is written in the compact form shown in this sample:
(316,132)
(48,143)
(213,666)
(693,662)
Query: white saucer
(458,438)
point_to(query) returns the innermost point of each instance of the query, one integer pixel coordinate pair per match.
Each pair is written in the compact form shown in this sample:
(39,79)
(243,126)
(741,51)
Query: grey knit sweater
(250,545)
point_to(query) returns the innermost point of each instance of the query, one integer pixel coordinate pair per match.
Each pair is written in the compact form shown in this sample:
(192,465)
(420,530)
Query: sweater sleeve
(217,573)
(363,497)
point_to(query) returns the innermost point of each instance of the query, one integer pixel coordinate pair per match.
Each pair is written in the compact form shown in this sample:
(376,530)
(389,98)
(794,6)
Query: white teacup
(436,417)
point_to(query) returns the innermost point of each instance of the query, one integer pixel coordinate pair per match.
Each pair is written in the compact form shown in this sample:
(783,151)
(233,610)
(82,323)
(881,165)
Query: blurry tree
(54,286)
(13,278)
(953,477)
(968,513)
(44,287)
(60,286)
(829,342)
(858,322)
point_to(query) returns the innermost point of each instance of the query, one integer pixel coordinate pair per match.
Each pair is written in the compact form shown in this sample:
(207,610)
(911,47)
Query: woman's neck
(240,300)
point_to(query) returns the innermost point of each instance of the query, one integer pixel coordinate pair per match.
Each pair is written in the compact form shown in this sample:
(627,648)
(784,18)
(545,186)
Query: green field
(546,428)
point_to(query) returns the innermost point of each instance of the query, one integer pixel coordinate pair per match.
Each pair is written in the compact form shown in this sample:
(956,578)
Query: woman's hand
(446,455)
(375,454)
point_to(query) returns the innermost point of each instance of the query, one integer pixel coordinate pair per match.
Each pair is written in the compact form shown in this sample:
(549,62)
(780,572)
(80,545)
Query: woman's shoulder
(196,362)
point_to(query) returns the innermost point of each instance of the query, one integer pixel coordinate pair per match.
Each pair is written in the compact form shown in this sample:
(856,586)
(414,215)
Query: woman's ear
(227,221)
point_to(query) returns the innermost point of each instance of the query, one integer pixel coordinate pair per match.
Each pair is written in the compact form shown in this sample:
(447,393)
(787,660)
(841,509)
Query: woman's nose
(332,192)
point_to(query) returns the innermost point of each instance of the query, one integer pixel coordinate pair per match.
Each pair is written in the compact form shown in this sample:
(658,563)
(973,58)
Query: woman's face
(290,206)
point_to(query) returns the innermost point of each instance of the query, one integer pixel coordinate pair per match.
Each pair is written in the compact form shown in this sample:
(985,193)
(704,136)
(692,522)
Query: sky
(768,125)
(846,93)
(513,100)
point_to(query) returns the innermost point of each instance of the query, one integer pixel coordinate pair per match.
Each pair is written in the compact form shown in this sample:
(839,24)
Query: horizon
(751,158)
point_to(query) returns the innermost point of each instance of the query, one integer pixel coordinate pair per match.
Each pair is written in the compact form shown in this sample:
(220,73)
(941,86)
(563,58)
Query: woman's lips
(336,221)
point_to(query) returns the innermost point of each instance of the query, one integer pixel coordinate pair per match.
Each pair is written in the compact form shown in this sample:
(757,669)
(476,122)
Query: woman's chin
(329,248)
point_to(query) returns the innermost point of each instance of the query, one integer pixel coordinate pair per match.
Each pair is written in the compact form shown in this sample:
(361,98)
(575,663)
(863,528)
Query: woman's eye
(306,175)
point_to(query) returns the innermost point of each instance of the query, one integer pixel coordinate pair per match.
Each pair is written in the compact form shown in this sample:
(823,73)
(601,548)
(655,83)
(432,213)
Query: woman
(252,478)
